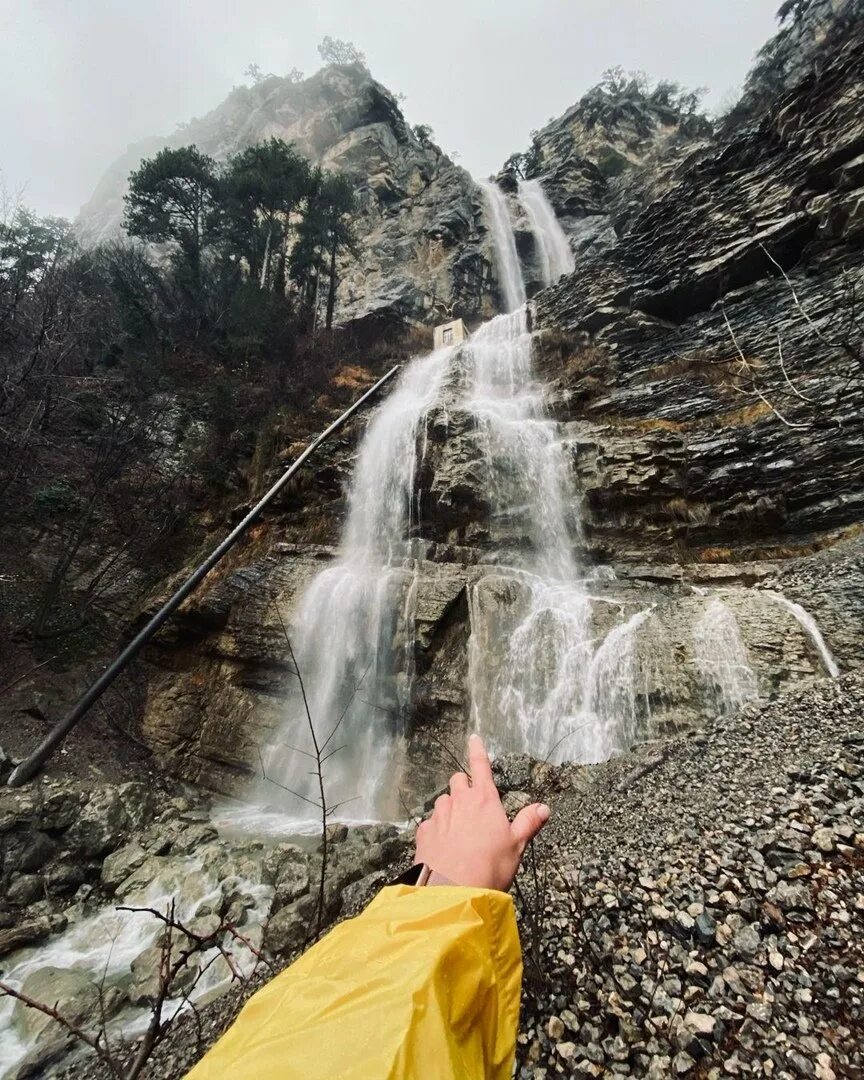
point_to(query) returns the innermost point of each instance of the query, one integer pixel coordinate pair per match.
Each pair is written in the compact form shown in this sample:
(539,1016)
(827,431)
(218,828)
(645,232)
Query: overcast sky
(79,79)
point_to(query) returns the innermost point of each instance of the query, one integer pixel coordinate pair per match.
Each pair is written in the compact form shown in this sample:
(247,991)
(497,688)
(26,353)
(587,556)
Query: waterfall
(354,628)
(538,681)
(519,673)
(541,679)
(527,469)
(509,270)
(721,659)
(553,247)
(811,629)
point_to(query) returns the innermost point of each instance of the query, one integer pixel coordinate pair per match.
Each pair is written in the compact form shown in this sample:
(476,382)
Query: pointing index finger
(478,760)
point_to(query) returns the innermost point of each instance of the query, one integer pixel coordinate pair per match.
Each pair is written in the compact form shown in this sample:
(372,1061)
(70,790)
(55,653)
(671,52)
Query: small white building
(449,333)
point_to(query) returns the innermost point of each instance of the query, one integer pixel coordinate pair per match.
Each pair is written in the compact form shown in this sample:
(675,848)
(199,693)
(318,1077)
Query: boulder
(25,933)
(71,992)
(193,837)
(146,981)
(37,850)
(60,808)
(65,878)
(101,826)
(25,889)
(286,931)
(121,863)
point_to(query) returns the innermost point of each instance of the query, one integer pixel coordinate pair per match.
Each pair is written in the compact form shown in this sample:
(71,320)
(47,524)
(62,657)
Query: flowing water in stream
(100,948)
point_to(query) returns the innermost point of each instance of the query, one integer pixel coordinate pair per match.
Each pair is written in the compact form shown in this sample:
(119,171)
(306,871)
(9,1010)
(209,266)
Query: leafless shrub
(180,950)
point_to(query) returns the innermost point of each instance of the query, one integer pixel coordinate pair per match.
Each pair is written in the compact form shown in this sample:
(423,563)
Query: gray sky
(79,79)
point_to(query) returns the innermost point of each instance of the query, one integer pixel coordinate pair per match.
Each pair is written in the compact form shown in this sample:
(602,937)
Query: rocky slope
(693,908)
(424,251)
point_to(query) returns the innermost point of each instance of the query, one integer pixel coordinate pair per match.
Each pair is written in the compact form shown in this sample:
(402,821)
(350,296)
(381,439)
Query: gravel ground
(695,909)
(699,911)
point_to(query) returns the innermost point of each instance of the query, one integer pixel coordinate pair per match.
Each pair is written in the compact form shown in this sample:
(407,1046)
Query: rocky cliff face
(722,328)
(704,368)
(424,251)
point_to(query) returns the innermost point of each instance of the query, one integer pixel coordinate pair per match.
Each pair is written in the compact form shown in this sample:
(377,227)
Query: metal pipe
(34,762)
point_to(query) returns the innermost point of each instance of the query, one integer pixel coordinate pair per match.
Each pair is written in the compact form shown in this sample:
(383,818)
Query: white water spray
(103,946)
(811,629)
(509,271)
(355,624)
(553,247)
(721,659)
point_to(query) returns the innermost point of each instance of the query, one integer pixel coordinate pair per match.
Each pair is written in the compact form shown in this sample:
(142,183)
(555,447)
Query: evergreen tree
(263,187)
(172,199)
(339,206)
(324,233)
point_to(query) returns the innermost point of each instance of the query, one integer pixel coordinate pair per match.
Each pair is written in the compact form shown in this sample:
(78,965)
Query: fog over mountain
(80,81)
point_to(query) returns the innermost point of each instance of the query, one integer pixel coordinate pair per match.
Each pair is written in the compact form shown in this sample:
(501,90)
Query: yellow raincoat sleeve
(424,985)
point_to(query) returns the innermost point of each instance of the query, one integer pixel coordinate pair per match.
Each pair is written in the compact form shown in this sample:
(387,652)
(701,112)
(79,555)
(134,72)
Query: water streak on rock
(811,629)
(722,660)
(553,248)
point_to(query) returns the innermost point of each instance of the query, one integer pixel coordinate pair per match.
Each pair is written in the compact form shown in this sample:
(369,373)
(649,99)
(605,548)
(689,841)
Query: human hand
(468,838)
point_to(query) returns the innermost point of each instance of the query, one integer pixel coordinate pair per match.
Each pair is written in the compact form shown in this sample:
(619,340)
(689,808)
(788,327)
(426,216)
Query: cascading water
(510,273)
(553,248)
(811,629)
(538,681)
(350,617)
(102,946)
(721,659)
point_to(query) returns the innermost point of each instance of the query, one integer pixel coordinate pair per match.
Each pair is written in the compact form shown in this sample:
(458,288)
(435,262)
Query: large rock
(121,863)
(669,439)
(147,977)
(109,816)
(424,252)
(73,993)
(287,931)
(25,933)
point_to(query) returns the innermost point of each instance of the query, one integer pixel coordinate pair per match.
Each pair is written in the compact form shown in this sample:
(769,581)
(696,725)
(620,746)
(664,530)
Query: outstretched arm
(424,983)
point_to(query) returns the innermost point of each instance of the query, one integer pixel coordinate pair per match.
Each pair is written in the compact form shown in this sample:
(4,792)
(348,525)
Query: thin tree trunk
(265,261)
(331,295)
